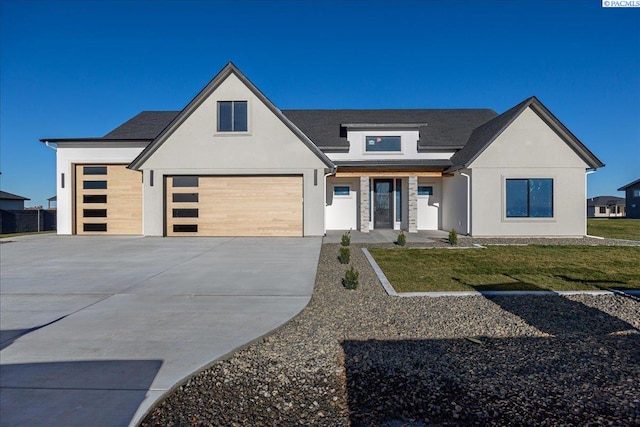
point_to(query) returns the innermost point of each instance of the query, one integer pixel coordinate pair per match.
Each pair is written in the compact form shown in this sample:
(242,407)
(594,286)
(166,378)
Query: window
(95,170)
(185,228)
(425,190)
(636,193)
(94,227)
(185,181)
(530,198)
(94,213)
(398,200)
(94,198)
(341,190)
(185,197)
(603,209)
(232,116)
(94,185)
(185,213)
(382,143)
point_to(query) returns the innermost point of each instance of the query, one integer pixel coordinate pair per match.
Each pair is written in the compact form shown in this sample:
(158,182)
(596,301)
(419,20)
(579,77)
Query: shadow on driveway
(88,393)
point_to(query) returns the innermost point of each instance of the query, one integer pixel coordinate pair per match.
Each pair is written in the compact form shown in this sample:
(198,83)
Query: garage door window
(94,227)
(185,213)
(94,213)
(95,170)
(184,197)
(94,185)
(94,198)
(185,228)
(185,181)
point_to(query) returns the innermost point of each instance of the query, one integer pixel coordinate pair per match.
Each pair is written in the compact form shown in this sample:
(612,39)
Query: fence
(27,221)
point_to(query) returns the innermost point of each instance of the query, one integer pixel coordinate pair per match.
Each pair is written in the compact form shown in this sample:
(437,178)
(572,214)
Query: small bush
(345,255)
(453,237)
(402,239)
(346,239)
(351,277)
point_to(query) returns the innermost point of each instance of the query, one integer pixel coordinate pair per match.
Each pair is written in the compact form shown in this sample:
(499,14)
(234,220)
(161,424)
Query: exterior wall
(408,141)
(454,202)
(429,207)
(633,202)
(529,148)
(12,205)
(70,154)
(341,212)
(269,147)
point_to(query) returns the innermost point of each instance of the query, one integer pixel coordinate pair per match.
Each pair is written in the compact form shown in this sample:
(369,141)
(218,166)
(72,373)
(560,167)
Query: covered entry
(264,205)
(108,199)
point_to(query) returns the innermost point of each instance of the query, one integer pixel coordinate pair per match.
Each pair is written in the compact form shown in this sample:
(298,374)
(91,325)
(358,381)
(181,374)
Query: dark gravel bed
(362,358)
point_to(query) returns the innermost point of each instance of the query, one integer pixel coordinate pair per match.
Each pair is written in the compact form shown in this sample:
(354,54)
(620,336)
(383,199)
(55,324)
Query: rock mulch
(362,358)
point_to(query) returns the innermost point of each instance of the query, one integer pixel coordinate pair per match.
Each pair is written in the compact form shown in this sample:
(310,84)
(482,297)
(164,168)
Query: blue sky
(76,69)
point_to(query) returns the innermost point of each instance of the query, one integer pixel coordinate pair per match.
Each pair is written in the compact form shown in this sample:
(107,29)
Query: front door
(383,203)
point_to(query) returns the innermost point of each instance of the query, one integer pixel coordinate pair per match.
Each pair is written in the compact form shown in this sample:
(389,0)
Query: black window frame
(94,198)
(86,185)
(236,107)
(528,193)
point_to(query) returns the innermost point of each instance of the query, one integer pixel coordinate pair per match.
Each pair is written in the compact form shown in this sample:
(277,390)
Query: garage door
(108,200)
(234,205)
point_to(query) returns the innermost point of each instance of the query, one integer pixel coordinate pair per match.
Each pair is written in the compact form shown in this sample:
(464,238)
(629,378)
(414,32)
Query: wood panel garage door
(234,205)
(108,200)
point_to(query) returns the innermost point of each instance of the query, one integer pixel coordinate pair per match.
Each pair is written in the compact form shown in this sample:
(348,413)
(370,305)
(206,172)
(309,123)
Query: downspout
(468,202)
(587,173)
(324,214)
(48,144)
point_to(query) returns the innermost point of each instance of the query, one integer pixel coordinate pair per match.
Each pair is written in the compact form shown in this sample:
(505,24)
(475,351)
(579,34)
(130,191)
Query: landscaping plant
(345,255)
(351,277)
(402,239)
(346,239)
(453,237)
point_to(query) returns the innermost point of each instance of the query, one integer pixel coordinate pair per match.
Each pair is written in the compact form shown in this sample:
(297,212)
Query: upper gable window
(232,116)
(382,143)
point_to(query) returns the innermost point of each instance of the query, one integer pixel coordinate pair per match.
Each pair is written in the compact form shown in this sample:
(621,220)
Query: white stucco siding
(69,154)
(528,148)
(268,147)
(408,142)
(428,214)
(342,210)
(454,202)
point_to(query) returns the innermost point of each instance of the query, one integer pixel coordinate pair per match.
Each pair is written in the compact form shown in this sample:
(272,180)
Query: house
(11,202)
(632,196)
(232,164)
(605,207)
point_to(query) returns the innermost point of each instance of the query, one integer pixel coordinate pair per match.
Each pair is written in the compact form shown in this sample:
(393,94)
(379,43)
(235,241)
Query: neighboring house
(605,207)
(11,202)
(632,197)
(232,164)
(52,201)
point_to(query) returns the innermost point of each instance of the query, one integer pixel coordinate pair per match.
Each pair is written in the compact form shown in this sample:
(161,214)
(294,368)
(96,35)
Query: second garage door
(234,206)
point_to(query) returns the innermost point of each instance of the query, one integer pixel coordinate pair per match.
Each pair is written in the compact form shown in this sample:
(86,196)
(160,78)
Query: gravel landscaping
(362,358)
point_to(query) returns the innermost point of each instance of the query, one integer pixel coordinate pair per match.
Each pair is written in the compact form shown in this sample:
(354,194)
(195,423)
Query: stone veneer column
(413,204)
(364,204)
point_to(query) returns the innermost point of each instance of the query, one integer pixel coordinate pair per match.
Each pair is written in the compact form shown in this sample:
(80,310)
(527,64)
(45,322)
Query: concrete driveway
(96,329)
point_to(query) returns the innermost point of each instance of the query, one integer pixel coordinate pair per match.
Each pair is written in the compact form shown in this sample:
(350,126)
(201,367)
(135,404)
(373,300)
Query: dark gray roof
(146,125)
(8,196)
(631,184)
(445,128)
(396,164)
(605,201)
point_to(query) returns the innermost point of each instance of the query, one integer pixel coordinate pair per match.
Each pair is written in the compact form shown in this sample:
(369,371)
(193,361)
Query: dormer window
(232,116)
(382,143)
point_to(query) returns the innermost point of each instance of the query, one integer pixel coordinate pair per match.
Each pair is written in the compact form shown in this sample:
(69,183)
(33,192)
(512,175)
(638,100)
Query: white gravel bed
(362,358)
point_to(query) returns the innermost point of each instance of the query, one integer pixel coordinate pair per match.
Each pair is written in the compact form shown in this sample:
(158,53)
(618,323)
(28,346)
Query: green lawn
(4,236)
(620,228)
(559,268)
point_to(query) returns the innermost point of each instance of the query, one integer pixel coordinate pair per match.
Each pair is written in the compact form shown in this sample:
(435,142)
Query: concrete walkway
(96,329)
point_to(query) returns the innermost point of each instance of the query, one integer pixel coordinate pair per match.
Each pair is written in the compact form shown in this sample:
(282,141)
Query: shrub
(350,280)
(453,237)
(402,239)
(346,238)
(345,255)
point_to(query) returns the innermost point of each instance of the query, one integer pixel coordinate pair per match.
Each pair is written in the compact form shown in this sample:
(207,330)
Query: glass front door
(383,203)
